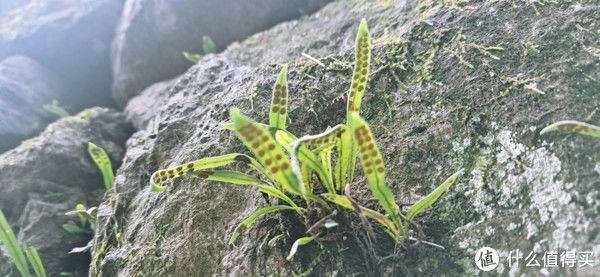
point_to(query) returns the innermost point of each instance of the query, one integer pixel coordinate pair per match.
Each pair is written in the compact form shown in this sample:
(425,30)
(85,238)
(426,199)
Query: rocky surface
(48,175)
(25,87)
(71,38)
(152,34)
(454,85)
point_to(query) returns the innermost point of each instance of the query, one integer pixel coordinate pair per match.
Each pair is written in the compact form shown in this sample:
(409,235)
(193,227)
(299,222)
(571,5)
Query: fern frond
(162,176)
(362,59)
(373,166)
(268,152)
(279,101)
(103,162)
(573,126)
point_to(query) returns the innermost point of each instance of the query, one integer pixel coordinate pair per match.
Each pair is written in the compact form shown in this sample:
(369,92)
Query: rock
(452,86)
(48,175)
(141,109)
(25,87)
(153,34)
(75,37)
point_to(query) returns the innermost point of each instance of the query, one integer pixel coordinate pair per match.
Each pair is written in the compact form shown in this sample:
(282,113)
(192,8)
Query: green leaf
(7,237)
(297,243)
(274,192)
(279,101)
(162,176)
(72,228)
(302,156)
(35,261)
(55,109)
(229,176)
(373,166)
(573,126)
(194,58)
(362,59)
(426,202)
(383,220)
(346,164)
(249,221)
(268,152)
(208,45)
(103,163)
(325,155)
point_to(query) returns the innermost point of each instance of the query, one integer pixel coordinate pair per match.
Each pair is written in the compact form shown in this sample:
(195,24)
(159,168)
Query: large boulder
(48,175)
(71,38)
(453,85)
(153,33)
(25,87)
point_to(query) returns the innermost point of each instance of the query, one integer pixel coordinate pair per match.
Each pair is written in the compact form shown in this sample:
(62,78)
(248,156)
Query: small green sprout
(103,162)
(22,256)
(573,126)
(55,109)
(208,47)
(284,165)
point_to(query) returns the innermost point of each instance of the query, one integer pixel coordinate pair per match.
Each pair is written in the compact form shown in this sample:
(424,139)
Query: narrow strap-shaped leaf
(325,156)
(297,243)
(162,176)
(332,135)
(301,154)
(268,152)
(103,162)
(35,261)
(575,127)
(346,164)
(208,45)
(229,176)
(279,101)
(428,200)
(249,221)
(383,220)
(373,166)
(306,178)
(274,192)
(8,238)
(362,59)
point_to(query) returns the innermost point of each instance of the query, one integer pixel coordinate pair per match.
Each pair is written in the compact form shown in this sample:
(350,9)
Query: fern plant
(103,163)
(23,257)
(285,164)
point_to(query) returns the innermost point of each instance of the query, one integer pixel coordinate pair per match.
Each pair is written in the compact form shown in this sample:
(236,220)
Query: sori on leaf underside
(283,165)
